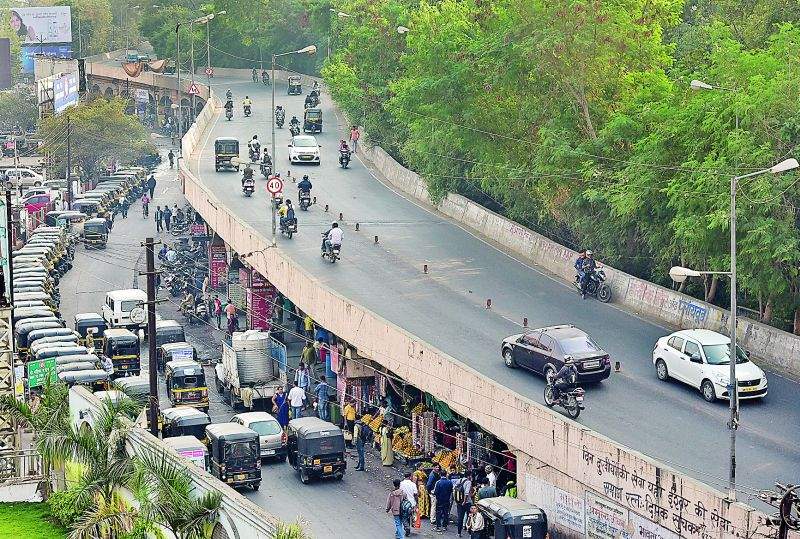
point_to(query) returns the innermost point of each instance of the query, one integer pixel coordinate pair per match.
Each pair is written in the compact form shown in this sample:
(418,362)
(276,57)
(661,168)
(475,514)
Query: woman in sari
(424,503)
(387,454)
(280,407)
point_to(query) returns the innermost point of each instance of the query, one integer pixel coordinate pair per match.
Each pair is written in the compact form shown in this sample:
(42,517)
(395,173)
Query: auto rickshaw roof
(295,78)
(230,432)
(184,367)
(89,318)
(314,427)
(226,139)
(179,443)
(168,347)
(186,415)
(33,324)
(95,221)
(134,384)
(119,334)
(94,375)
(313,112)
(511,510)
(168,324)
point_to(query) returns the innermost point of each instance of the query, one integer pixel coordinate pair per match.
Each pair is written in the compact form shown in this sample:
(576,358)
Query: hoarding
(39,371)
(28,52)
(50,24)
(65,92)
(5,63)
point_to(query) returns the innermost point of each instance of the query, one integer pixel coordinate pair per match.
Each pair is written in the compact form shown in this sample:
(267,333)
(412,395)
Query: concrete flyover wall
(554,452)
(241,518)
(773,347)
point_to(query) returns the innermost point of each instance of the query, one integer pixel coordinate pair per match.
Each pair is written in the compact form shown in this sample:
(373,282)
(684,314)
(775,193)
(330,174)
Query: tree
(100,131)
(19,110)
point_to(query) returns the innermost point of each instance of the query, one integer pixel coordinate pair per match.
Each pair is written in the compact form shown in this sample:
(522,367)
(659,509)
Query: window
(128,306)
(579,345)
(676,343)
(692,349)
(531,339)
(546,343)
(266,428)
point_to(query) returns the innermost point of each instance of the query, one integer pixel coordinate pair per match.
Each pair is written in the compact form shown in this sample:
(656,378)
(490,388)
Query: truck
(247,375)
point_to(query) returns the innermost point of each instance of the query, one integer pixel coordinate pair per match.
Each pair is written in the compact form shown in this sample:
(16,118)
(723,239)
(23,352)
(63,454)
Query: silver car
(271,435)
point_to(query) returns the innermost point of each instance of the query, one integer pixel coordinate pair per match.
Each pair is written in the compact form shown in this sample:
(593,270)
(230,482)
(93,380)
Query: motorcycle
(294,130)
(229,114)
(344,158)
(279,120)
(229,96)
(305,199)
(330,252)
(248,187)
(569,399)
(288,228)
(255,153)
(201,311)
(596,286)
(265,78)
(247,110)
(266,169)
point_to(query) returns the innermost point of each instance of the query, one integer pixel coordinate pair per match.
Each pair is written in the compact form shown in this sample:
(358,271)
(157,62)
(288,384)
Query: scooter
(247,110)
(305,199)
(201,311)
(229,114)
(265,78)
(248,187)
(266,169)
(344,158)
(288,228)
(330,252)
(569,399)
(294,130)
(596,286)
(279,120)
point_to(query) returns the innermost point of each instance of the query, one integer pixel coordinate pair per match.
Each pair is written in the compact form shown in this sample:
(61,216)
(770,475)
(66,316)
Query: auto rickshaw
(136,387)
(95,233)
(295,88)
(76,362)
(95,380)
(190,448)
(88,206)
(122,347)
(30,313)
(23,329)
(58,350)
(172,351)
(235,454)
(184,421)
(186,384)
(512,518)
(312,121)
(94,324)
(316,448)
(225,149)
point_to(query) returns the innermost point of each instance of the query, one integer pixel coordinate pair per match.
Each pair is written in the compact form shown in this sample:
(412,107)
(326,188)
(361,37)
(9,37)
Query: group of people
(166,217)
(434,494)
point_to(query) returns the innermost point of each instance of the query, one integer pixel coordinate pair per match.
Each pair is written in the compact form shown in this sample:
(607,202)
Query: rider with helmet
(304,184)
(585,265)
(286,213)
(565,377)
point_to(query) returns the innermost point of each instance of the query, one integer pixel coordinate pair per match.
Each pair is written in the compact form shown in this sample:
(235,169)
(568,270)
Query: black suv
(543,351)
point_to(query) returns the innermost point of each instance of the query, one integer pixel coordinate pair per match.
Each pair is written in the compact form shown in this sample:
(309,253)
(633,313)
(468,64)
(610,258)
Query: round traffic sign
(274,185)
(210,71)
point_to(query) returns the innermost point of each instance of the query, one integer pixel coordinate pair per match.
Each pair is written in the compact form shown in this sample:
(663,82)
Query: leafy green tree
(19,110)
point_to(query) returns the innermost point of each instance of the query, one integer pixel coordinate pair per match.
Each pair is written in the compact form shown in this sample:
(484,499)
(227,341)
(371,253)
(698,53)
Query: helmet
(288,202)
(255,137)
(305,176)
(589,252)
(334,225)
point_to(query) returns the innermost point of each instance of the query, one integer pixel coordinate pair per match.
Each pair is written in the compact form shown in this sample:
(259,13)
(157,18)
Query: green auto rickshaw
(225,149)
(312,121)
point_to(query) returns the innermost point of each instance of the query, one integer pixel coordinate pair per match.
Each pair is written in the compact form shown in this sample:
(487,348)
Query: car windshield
(127,306)
(305,143)
(719,354)
(266,428)
(578,345)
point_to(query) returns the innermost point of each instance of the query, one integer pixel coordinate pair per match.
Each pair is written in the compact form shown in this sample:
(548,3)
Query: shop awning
(441,409)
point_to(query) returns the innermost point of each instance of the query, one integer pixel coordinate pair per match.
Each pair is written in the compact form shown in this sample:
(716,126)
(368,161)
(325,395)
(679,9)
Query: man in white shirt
(491,476)
(296,399)
(409,488)
(333,236)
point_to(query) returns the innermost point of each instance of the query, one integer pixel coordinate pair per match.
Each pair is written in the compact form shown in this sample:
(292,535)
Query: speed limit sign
(274,185)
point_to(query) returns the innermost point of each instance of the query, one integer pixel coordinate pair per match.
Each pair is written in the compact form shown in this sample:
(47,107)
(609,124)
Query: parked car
(25,177)
(544,350)
(701,359)
(304,149)
(272,439)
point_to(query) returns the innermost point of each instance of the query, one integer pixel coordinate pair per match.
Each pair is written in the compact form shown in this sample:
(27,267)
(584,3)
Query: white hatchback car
(304,149)
(701,359)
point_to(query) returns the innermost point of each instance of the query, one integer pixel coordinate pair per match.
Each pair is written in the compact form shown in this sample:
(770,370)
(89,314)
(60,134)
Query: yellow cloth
(283,210)
(309,323)
(424,503)
(350,412)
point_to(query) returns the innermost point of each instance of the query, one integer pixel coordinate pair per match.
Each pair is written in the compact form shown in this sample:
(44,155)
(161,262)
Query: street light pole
(178,89)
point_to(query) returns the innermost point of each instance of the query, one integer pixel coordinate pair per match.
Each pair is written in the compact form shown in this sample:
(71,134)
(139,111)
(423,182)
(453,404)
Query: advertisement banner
(562,508)
(605,519)
(257,311)
(65,92)
(49,24)
(40,371)
(218,266)
(28,52)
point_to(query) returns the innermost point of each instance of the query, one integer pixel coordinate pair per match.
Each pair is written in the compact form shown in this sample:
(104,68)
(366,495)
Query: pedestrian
(322,391)
(109,220)
(355,135)
(358,439)
(230,309)
(475,523)
(151,185)
(462,488)
(491,475)
(176,213)
(308,355)
(171,155)
(393,504)
(486,490)
(308,325)
(296,399)
(123,207)
(409,487)
(433,478)
(232,323)
(167,217)
(349,415)
(302,377)
(280,407)
(288,308)
(159,217)
(218,311)
(423,497)
(443,492)
(387,454)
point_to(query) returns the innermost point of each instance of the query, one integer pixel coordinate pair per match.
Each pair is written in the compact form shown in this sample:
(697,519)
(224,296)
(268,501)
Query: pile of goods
(403,443)
(448,460)
(373,422)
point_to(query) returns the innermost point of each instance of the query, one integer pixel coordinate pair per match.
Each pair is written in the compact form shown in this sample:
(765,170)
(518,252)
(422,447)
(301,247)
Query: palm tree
(290,531)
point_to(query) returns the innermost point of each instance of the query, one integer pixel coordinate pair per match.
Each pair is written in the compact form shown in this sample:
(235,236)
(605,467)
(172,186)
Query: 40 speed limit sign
(274,185)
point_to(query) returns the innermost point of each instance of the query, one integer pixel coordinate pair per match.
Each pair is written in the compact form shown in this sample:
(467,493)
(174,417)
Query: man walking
(308,325)
(358,439)
(302,378)
(123,207)
(159,217)
(461,496)
(218,311)
(151,185)
(409,488)
(308,354)
(443,491)
(322,391)
(296,399)
(393,504)
(433,478)
(355,136)
(167,217)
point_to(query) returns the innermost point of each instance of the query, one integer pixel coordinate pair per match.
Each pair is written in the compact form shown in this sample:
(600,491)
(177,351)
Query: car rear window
(578,345)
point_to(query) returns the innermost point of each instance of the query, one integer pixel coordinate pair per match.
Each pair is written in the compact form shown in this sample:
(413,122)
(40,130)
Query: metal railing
(20,467)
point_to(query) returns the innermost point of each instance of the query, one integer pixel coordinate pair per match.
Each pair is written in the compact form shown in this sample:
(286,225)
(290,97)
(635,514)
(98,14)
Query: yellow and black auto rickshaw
(184,421)
(510,517)
(295,88)
(95,233)
(91,324)
(316,448)
(312,121)
(122,348)
(186,384)
(235,454)
(225,149)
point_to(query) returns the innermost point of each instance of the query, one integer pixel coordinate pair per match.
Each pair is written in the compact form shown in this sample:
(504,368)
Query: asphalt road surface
(667,421)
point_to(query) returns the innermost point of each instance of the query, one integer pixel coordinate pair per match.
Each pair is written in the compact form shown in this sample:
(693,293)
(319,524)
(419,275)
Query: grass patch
(27,520)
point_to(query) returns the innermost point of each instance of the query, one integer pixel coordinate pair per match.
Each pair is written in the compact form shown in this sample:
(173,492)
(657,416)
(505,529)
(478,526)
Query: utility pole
(9,245)
(69,165)
(149,245)
(178,89)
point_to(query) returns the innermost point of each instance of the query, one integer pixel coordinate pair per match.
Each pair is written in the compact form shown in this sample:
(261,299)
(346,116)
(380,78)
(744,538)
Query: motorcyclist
(264,76)
(565,377)
(343,147)
(255,75)
(333,236)
(308,102)
(266,159)
(585,265)
(280,114)
(304,184)
(286,213)
(246,103)
(255,148)
(294,122)
(247,174)
(229,95)
(187,303)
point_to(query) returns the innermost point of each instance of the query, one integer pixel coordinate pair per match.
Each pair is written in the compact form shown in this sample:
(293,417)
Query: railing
(20,467)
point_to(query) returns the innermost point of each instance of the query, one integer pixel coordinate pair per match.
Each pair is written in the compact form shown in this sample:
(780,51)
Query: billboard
(5,63)
(65,92)
(28,52)
(51,24)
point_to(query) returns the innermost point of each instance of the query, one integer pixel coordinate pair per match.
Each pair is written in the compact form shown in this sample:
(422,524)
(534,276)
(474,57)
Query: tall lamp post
(680,274)
(208,45)
(311,49)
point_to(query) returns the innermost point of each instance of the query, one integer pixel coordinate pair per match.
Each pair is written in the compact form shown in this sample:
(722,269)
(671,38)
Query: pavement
(667,421)
(355,504)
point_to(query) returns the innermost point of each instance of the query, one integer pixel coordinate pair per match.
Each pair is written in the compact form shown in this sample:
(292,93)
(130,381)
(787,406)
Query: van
(125,309)
(25,177)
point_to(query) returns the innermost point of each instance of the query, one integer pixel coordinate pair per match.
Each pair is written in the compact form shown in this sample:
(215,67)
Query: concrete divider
(771,346)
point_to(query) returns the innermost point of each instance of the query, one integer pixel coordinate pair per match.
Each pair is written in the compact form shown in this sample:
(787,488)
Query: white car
(24,177)
(272,439)
(701,359)
(304,149)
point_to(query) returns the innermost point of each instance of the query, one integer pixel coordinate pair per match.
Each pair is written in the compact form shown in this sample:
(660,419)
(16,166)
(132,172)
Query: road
(667,421)
(325,508)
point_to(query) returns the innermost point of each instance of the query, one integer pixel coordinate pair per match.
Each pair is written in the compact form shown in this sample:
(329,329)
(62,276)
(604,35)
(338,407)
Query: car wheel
(304,477)
(549,373)
(256,486)
(508,357)
(707,389)
(661,370)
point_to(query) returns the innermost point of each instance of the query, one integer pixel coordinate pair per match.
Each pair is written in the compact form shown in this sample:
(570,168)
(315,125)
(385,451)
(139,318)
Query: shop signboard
(40,371)
(65,92)
(646,529)
(218,264)
(605,519)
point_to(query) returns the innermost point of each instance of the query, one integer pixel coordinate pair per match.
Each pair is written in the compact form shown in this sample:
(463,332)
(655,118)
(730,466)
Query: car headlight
(721,378)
